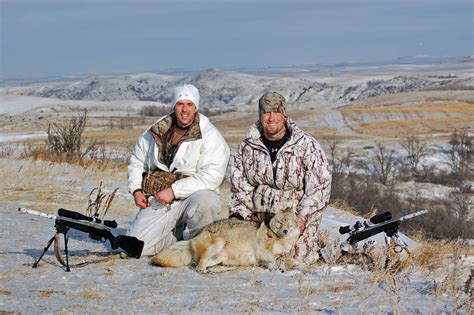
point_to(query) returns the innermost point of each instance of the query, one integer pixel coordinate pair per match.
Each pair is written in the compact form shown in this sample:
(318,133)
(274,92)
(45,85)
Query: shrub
(65,139)
(156,111)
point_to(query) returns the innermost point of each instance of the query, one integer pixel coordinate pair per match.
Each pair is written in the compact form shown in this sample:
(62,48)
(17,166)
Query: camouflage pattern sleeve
(241,190)
(317,179)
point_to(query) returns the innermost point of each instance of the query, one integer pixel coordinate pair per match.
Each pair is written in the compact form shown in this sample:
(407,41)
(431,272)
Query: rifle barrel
(412,215)
(37,213)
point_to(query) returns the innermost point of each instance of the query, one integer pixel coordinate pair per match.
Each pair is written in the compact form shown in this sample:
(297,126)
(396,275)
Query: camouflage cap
(271,102)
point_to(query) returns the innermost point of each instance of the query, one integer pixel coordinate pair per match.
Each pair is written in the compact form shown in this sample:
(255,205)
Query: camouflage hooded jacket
(299,178)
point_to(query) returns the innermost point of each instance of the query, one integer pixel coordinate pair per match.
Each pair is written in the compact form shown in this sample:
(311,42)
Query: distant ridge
(223,89)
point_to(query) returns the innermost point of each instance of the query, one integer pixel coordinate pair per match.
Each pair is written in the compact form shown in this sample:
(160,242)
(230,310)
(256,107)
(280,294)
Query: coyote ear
(261,229)
(268,217)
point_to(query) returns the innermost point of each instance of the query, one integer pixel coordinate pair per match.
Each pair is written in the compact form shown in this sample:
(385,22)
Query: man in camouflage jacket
(279,166)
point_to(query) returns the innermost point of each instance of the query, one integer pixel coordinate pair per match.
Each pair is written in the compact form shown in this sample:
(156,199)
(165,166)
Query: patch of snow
(17,137)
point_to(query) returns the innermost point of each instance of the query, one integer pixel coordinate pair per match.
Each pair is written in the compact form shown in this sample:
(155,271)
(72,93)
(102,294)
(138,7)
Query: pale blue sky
(71,37)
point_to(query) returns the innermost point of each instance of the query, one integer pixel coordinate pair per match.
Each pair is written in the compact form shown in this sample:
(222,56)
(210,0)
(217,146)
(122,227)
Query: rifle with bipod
(377,224)
(99,230)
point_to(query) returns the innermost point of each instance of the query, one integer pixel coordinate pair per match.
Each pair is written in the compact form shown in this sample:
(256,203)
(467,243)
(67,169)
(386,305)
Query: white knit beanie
(186,92)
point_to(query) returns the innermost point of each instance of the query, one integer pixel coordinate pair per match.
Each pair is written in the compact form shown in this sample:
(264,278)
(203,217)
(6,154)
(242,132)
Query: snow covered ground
(134,286)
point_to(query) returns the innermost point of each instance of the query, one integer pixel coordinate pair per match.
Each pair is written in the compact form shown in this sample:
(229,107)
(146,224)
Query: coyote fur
(232,242)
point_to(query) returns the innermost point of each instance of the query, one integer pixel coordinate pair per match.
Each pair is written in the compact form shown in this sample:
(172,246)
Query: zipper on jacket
(263,148)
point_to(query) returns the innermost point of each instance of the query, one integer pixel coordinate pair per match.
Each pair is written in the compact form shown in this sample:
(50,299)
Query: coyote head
(284,223)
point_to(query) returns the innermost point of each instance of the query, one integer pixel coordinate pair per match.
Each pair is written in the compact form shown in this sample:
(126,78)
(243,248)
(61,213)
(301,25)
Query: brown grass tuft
(343,205)
(48,293)
(91,295)
(431,255)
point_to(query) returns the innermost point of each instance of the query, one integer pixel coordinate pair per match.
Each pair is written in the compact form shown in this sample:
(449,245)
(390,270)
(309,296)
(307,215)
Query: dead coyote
(232,242)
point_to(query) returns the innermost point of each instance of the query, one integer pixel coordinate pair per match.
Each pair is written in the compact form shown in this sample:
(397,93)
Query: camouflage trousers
(159,226)
(305,251)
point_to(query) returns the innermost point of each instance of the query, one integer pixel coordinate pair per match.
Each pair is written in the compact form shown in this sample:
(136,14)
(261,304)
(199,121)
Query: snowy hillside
(222,89)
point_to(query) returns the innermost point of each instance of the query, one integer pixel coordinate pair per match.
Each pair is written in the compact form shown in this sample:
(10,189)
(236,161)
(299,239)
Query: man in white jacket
(186,143)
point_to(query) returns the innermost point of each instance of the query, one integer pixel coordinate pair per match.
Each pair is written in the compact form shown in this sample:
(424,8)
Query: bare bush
(384,166)
(6,151)
(429,174)
(415,149)
(339,167)
(461,198)
(65,139)
(440,222)
(333,144)
(461,150)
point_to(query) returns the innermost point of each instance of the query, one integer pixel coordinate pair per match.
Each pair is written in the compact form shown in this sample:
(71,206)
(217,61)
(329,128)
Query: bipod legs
(44,251)
(396,247)
(64,231)
(66,238)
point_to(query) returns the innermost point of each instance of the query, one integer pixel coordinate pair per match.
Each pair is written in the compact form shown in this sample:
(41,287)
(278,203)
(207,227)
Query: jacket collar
(255,133)
(164,124)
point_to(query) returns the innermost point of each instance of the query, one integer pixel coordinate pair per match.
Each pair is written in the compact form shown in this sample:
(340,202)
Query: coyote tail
(177,255)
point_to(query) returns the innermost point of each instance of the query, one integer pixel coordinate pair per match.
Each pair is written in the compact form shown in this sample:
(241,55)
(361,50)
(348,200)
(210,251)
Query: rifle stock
(131,245)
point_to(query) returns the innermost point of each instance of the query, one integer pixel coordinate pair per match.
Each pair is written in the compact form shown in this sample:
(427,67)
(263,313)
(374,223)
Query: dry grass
(399,128)
(432,255)
(116,137)
(413,98)
(45,186)
(91,295)
(424,118)
(447,108)
(48,293)
(442,261)
(342,204)
(305,290)
(101,159)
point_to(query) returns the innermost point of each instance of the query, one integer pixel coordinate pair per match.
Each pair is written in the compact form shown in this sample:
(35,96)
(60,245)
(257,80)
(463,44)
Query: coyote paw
(272,266)
(202,270)
(123,255)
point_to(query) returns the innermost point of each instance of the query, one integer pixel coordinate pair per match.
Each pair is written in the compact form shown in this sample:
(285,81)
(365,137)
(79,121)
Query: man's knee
(203,207)
(204,202)
(154,227)
(205,198)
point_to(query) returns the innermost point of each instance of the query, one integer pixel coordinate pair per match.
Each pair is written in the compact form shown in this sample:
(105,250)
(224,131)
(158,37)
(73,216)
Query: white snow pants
(159,226)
